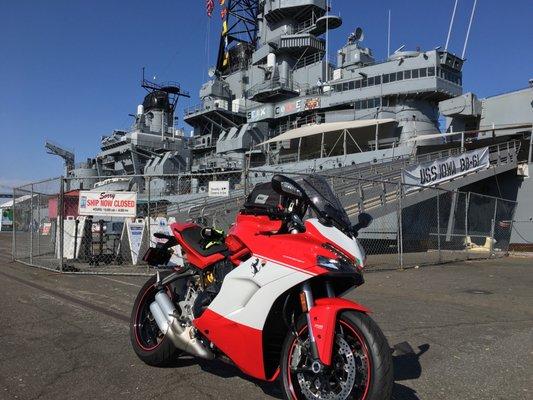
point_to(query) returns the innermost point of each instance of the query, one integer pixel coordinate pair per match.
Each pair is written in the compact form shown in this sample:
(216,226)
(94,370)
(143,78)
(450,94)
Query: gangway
(373,188)
(377,188)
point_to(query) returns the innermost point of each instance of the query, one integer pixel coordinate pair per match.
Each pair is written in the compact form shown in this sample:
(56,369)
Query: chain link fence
(35,224)
(412,226)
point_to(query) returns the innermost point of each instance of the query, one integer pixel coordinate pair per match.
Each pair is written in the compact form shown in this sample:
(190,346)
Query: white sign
(72,238)
(442,170)
(218,189)
(45,230)
(108,203)
(135,231)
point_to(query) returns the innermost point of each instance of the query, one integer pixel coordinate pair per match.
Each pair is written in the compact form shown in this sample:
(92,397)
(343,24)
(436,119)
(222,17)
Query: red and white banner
(108,203)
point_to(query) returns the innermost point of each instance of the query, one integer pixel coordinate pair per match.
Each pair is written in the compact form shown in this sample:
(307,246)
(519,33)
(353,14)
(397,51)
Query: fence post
(467,207)
(438,227)
(61,216)
(31,224)
(149,208)
(14,229)
(38,224)
(245,174)
(400,227)
(492,228)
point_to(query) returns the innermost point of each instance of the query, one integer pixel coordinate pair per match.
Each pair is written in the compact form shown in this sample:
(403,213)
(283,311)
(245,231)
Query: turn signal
(303,302)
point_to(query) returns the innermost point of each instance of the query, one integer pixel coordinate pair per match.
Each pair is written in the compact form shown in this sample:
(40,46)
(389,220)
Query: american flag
(209,6)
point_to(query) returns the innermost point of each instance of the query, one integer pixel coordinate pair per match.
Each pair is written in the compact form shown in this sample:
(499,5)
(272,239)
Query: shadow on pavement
(224,370)
(406,367)
(401,392)
(405,360)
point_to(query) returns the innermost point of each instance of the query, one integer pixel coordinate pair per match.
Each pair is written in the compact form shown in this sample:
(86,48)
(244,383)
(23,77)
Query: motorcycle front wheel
(147,340)
(361,367)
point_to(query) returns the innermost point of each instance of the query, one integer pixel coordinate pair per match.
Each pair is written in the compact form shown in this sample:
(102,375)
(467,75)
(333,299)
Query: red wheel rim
(143,303)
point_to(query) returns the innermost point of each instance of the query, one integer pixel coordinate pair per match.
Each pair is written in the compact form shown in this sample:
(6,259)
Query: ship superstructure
(279,99)
(282,78)
(152,146)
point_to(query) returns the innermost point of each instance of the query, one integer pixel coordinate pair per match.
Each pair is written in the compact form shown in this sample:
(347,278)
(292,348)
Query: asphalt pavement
(459,331)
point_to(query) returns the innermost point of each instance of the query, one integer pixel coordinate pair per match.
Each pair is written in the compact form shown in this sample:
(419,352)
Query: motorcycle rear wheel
(361,365)
(148,342)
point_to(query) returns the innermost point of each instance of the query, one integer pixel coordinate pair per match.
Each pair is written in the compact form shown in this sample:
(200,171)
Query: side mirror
(287,187)
(364,220)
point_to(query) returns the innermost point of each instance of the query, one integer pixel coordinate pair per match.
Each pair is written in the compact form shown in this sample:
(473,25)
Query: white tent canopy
(9,203)
(329,127)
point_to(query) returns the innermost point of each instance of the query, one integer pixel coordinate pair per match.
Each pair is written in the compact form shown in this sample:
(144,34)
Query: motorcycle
(266,297)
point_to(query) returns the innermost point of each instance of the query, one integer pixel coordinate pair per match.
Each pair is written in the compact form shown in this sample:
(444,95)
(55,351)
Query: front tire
(147,340)
(361,366)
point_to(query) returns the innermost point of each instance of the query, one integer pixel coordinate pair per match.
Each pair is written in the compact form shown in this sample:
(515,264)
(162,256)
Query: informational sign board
(135,231)
(218,189)
(108,203)
(6,219)
(444,169)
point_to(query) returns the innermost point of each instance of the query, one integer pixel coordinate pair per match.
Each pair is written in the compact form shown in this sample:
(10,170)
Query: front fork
(307,301)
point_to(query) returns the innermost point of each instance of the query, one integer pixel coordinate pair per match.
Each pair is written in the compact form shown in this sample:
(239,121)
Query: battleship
(277,99)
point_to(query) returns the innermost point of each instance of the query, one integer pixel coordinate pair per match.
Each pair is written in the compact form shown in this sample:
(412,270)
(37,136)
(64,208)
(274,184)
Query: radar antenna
(173,89)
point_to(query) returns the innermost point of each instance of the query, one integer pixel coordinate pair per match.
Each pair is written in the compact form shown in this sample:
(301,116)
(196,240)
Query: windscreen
(325,201)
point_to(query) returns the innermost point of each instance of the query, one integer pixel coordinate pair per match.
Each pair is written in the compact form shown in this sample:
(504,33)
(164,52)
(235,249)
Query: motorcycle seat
(192,236)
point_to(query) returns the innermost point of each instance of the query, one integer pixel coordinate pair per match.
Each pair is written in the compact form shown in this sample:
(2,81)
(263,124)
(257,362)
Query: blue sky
(70,70)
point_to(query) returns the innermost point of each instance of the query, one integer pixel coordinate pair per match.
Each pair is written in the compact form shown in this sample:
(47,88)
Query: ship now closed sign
(108,204)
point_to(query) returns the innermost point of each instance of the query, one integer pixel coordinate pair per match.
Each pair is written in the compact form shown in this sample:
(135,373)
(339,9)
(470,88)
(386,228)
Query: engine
(212,283)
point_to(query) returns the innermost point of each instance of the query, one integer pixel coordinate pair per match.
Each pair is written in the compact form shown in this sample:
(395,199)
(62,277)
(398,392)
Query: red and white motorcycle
(267,297)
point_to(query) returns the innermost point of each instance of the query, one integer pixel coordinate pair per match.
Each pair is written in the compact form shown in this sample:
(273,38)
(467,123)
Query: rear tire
(147,340)
(374,373)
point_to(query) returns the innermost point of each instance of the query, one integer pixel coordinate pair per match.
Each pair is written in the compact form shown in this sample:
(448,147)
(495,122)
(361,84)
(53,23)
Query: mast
(239,25)
(388,36)
(468,31)
(451,26)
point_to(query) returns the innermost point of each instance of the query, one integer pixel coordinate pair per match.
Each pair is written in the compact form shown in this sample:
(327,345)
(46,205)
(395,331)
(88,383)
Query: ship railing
(308,60)
(298,123)
(211,106)
(389,170)
(272,84)
(194,109)
(305,26)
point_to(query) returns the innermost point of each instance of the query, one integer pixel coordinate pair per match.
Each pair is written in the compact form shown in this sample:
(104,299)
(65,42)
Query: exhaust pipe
(165,315)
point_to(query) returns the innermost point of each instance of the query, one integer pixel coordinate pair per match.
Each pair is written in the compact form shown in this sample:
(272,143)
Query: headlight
(329,263)
(334,264)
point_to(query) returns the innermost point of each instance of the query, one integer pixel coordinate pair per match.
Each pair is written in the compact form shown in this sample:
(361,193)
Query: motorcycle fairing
(235,319)
(241,343)
(323,320)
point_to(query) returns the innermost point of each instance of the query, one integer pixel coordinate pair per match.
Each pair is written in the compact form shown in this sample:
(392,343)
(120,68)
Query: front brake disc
(309,383)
